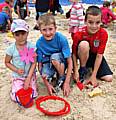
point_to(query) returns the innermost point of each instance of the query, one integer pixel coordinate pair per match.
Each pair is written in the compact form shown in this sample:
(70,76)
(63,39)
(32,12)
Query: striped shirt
(76,17)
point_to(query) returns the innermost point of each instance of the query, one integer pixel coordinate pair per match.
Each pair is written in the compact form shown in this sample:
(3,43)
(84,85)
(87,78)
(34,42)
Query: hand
(66,89)
(76,76)
(93,81)
(20,71)
(27,83)
(50,89)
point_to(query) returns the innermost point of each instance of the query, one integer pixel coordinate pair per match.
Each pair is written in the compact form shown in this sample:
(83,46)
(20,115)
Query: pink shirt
(107,15)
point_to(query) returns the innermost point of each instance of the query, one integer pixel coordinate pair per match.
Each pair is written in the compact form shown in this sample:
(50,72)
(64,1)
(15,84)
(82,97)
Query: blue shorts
(48,69)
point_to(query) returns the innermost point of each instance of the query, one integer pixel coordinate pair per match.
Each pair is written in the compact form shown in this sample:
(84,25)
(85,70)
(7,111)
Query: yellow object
(9,34)
(114,10)
(95,92)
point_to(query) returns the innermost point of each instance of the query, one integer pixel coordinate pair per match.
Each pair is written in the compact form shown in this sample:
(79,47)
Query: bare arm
(27,8)
(30,74)
(66,85)
(18,12)
(96,67)
(9,24)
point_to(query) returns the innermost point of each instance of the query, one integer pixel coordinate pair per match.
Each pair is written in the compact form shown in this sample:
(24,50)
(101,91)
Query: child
(88,46)
(76,17)
(4,19)
(42,7)
(53,55)
(21,9)
(9,4)
(107,14)
(23,73)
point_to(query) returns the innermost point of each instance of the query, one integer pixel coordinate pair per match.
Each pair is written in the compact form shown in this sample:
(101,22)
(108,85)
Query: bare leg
(59,67)
(83,53)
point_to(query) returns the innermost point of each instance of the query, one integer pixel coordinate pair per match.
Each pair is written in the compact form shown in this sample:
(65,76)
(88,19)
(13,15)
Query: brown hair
(46,19)
(92,10)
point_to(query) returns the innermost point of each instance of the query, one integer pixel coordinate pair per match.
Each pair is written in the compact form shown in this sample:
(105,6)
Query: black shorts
(104,68)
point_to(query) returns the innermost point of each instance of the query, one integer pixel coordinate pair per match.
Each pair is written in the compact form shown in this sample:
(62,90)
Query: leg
(104,72)
(59,64)
(83,53)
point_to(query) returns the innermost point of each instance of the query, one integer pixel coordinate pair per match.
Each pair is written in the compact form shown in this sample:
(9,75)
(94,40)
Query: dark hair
(92,10)
(106,4)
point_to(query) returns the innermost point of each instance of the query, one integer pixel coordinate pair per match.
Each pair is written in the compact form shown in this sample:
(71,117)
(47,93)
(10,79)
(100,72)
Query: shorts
(48,69)
(18,83)
(104,68)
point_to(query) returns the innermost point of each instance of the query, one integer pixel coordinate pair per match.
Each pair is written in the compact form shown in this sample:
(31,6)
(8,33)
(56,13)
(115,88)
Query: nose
(47,31)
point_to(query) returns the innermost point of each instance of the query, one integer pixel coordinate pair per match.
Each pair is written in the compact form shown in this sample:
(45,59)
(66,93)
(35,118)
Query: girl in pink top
(107,14)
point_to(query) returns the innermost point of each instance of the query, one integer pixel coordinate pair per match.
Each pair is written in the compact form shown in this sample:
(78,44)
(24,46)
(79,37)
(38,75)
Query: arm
(66,86)
(112,15)
(9,24)
(18,12)
(27,8)
(30,74)
(75,68)
(96,67)
(11,66)
(47,84)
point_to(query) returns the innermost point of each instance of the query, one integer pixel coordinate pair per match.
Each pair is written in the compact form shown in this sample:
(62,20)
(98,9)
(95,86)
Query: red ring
(63,111)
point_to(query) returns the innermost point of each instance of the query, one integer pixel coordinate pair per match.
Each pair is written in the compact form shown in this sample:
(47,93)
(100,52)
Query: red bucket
(25,97)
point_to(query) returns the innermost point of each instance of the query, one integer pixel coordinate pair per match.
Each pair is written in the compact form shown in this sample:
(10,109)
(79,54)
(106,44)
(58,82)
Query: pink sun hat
(18,25)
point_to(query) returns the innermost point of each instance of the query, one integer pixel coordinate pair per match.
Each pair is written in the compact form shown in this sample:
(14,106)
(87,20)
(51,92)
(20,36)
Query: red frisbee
(63,111)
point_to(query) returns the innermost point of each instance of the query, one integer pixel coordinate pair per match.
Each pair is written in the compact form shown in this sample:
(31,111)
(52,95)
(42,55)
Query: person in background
(23,73)
(76,17)
(21,9)
(107,14)
(42,7)
(88,47)
(53,56)
(9,4)
(4,19)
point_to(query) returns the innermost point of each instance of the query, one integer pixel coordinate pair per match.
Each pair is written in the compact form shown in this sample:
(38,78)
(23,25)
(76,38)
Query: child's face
(20,37)
(93,23)
(48,31)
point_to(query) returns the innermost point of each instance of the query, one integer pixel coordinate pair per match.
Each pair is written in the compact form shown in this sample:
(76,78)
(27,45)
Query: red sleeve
(104,38)
(76,40)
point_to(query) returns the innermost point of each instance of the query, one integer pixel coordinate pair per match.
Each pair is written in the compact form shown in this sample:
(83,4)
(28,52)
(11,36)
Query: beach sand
(101,107)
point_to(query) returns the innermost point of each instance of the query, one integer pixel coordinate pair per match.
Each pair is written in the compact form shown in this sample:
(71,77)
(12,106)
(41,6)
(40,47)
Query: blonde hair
(46,19)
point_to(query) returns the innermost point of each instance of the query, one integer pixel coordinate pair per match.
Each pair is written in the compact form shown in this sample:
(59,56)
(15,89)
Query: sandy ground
(101,107)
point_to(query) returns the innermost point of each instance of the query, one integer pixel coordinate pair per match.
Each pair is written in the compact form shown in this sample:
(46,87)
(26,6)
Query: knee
(54,62)
(84,46)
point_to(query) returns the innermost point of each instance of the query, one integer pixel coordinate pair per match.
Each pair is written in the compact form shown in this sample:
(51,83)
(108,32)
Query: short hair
(46,19)
(92,10)
(106,4)
(6,8)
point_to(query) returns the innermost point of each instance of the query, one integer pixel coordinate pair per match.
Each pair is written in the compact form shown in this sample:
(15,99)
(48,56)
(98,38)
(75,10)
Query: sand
(101,107)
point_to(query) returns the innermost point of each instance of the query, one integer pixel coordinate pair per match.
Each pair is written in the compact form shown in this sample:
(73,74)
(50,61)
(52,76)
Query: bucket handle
(27,103)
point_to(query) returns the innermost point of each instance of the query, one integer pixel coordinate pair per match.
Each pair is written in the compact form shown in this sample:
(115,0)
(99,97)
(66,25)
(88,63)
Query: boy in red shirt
(88,46)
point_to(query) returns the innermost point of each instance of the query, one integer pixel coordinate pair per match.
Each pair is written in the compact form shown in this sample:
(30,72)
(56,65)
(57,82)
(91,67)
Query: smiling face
(93,23)
(48,31)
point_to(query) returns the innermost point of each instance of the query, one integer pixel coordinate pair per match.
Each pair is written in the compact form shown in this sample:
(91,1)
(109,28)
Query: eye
(90,22)
(50,29)
(98,22)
